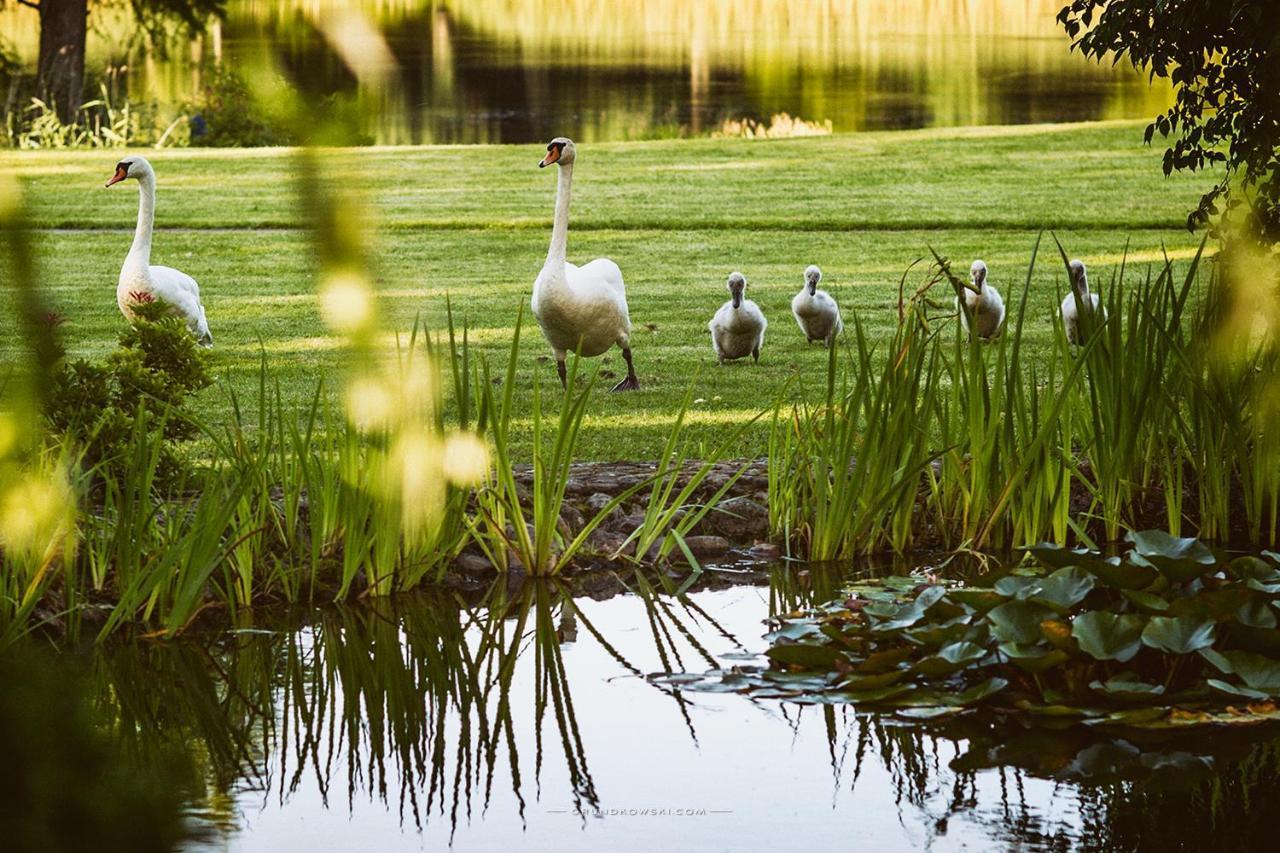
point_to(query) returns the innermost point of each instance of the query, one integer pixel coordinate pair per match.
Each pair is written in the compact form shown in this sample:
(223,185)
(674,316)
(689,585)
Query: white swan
(737,329)
(983,302)
(815,310)
(139,280)
(1077,298)
(580,309)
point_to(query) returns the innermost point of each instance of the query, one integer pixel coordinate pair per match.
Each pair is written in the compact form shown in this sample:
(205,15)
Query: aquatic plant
(1171,633)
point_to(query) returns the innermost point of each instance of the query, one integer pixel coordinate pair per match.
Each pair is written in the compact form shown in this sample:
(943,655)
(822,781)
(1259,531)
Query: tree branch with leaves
(1223,57)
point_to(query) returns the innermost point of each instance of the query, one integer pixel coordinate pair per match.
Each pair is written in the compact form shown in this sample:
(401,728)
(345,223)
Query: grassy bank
(473,222)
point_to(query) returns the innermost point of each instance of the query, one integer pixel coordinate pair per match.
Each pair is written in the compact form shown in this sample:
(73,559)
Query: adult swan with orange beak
(580,309)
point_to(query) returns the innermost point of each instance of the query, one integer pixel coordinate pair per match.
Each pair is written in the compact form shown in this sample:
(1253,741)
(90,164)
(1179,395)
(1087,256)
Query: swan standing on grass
(1076,299)
(142,282)
(983,302)
(580,309)
(815,310)
(737,329)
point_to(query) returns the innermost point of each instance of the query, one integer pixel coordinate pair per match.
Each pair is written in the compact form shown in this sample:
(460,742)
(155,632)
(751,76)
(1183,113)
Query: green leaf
(1256,568)
(1109,569)
(1108,636)
(1216,604)
(1258,672)
(807,656)
(1018,621)
(1033,659)
(937,635)
(1127,687)
(1178,635)
(872,682)
(980,600)
(880,694)
(885,660)
(1256,614)
(1064,589)
(1178,559)
(1145,601)
(950,659)
(930,596)
(978,692)
(1018,586)
(1262,586)
(795,631)
(1236,691)
(903,617)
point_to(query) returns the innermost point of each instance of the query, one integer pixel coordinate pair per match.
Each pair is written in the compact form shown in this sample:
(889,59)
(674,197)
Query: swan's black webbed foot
(631,383)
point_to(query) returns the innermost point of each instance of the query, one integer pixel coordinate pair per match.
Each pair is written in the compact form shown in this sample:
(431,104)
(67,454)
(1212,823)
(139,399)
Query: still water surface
(524,70)
(525,722)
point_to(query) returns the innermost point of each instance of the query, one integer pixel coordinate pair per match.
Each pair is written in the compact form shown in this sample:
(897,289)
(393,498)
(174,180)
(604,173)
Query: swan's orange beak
(120,175)
(553,154)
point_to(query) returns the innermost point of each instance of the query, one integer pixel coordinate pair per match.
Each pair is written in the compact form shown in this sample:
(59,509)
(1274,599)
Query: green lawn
(677,216)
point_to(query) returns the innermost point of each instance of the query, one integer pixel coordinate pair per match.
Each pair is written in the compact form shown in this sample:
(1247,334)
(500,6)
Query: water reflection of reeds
(433,705)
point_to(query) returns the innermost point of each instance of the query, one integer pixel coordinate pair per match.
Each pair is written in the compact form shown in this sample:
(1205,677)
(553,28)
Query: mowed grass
(472,223)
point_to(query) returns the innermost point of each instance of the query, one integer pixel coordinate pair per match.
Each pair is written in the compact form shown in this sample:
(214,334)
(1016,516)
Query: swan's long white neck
(139,257)
(560,229)
(1081,287)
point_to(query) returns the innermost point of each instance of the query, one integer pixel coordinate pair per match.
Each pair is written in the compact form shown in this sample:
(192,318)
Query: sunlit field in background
(471,224)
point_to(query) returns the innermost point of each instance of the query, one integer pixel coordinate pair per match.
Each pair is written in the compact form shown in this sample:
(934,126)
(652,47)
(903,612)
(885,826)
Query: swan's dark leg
(560,371)
(755,355)
(631,383)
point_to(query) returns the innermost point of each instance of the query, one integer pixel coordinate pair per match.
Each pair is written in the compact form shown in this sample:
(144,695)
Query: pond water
(523,70)
(523,719)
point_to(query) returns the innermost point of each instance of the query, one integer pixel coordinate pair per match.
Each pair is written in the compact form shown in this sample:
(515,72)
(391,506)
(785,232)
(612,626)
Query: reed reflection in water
(522,717)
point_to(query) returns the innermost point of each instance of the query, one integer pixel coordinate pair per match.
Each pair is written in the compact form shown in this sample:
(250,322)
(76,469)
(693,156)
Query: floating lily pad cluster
(1170,633)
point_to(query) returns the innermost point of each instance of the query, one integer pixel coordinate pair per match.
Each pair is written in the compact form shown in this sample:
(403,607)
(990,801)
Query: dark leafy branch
(1223,57)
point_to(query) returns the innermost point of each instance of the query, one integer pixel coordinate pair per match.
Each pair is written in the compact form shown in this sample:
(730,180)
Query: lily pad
(1256,614)
(1178,635)
(1110,570)
(1108,636)
(1178,559)
(981,691)
(1258,672)
(1018,586)
(903,617)
(980,600)
(1064,589)
(1147,602)
(1032,658)
(1018,621)
(1128,689)
(940,634)
(1236,691)
(873,682)
(807,655)
(1256,568)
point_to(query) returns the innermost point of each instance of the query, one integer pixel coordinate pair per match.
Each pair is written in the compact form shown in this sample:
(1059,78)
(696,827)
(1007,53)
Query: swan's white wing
(605,271)
(181,291)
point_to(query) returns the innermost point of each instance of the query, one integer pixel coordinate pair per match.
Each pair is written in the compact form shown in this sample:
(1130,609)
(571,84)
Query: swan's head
(1079,275)
(132,166)
(812,276)
(559,150)
(737,285)
(978,274)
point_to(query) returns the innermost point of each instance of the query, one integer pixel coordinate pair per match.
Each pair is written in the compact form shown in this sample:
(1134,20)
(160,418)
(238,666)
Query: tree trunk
(60,71)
